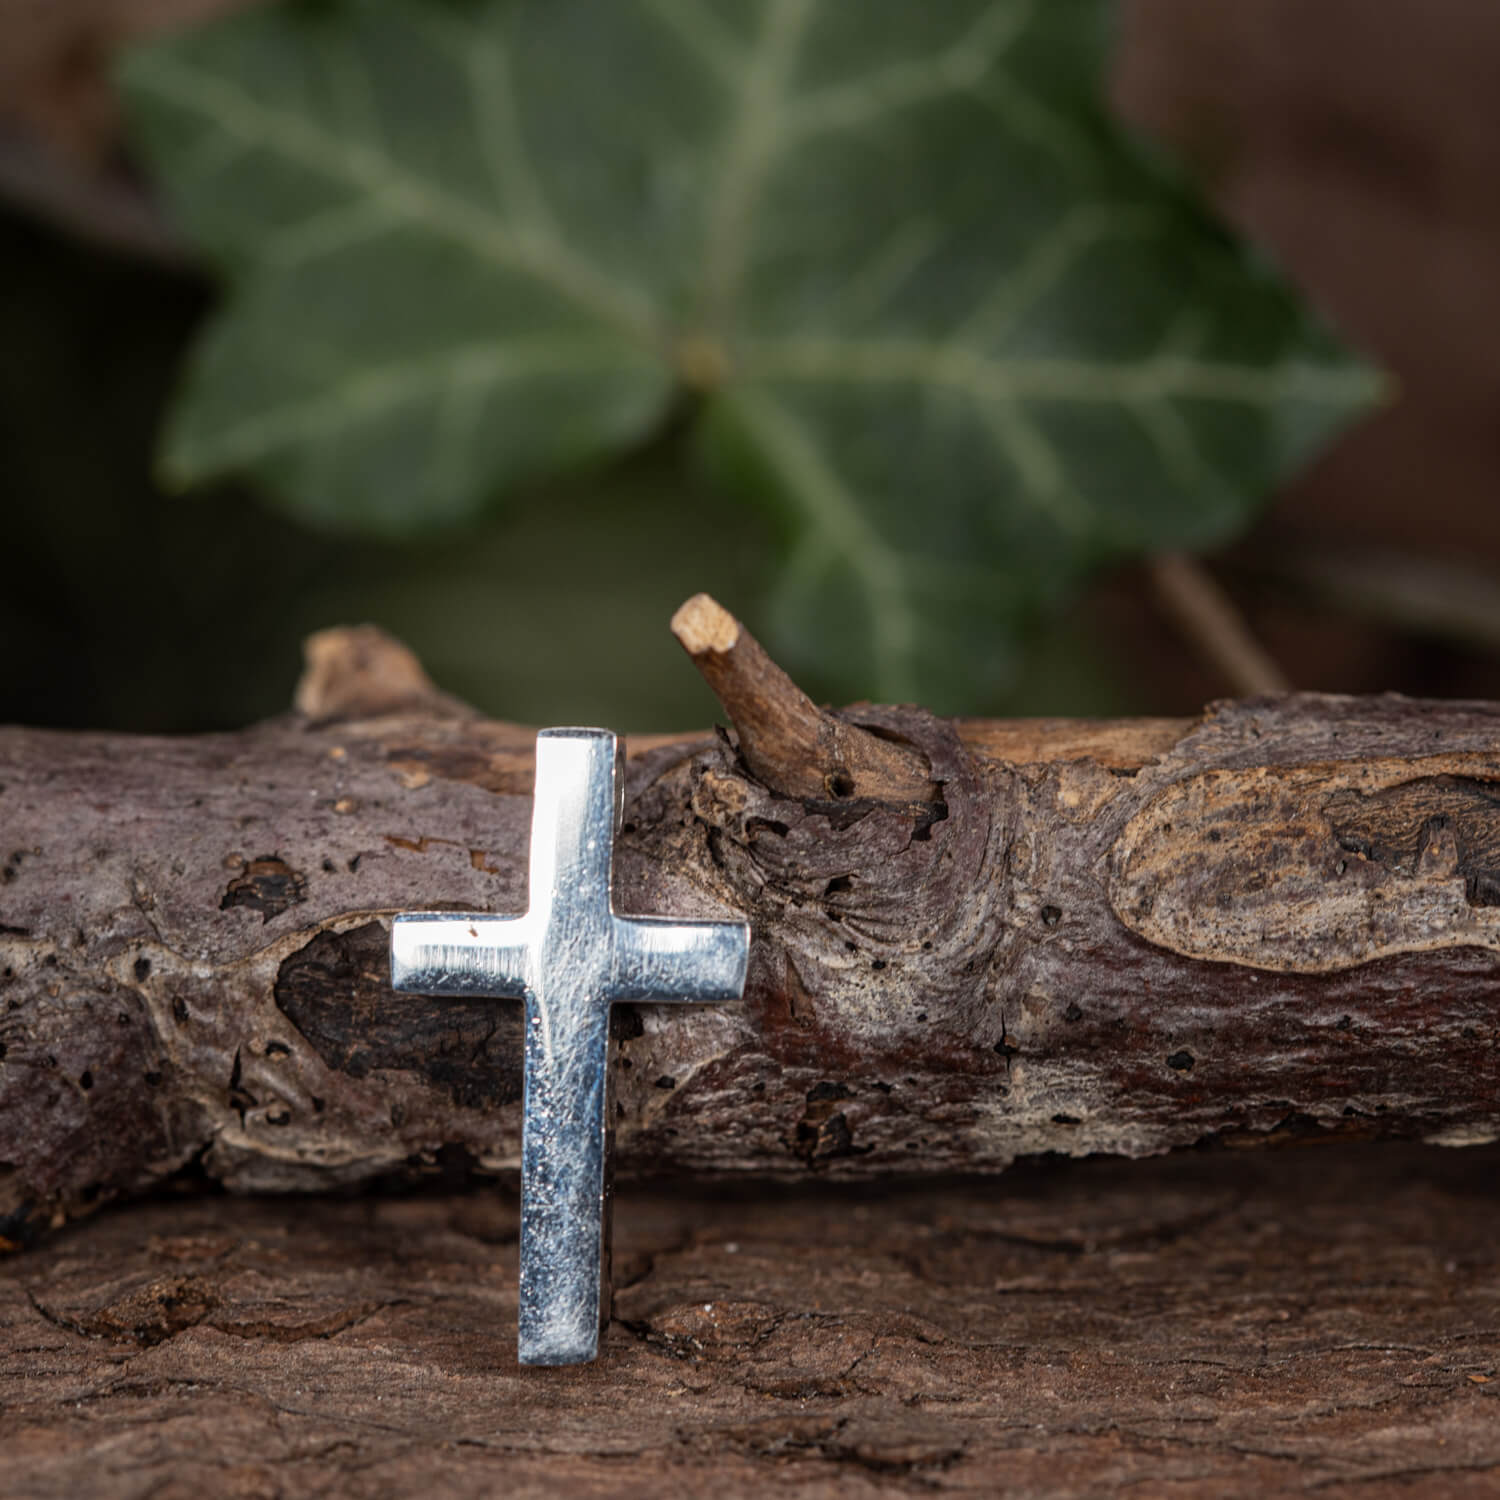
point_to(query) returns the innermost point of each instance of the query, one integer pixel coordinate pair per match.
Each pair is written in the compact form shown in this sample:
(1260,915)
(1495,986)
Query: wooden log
(972,941)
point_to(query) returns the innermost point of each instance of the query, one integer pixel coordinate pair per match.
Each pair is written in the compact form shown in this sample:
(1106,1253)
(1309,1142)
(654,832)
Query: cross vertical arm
(577,802)
(566,1151)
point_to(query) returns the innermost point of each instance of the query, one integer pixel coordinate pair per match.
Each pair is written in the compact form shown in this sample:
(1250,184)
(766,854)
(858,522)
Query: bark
(972,941)
(1204,1327)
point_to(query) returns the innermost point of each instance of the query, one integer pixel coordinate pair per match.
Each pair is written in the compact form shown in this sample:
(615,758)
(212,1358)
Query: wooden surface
(1311,1321)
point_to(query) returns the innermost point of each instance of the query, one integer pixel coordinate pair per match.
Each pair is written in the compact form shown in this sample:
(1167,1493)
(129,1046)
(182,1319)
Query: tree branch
(787,743)
(997,939)
(1207,617)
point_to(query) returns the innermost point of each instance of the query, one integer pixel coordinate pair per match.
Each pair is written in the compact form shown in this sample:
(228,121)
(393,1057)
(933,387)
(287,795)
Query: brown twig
(788,742)
(1207,616)
(1438,597)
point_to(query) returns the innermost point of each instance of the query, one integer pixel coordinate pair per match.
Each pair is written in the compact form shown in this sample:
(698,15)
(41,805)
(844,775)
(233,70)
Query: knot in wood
(885,914)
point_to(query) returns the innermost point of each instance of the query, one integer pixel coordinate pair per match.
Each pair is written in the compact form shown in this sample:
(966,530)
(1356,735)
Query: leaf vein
(370,170)
(898,86)
(1048,260)
(375,391)
(752,142)
(1054,378)
(1044,485)
(340,227)
(485,63)
(702,35)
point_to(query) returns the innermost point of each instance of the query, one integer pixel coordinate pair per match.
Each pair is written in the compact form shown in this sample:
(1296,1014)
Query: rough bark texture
(1205,1326)
(1279,920)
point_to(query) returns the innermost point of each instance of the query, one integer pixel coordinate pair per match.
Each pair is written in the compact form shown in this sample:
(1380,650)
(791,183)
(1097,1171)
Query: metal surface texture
(570,957)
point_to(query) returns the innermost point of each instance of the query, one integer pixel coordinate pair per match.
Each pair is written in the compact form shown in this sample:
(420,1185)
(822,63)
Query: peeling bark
(996,941)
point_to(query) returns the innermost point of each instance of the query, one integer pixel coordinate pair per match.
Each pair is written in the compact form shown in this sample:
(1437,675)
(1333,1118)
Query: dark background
(1358,143)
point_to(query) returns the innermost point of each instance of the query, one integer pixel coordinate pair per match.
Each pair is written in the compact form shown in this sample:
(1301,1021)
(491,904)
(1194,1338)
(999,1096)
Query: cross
(570,957)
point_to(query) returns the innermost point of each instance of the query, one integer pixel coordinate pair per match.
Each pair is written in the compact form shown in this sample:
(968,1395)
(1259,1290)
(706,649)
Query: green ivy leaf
(956,333)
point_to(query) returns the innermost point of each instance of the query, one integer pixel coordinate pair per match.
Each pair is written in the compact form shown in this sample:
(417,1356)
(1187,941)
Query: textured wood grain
(193,957)
(1275,922)
(1209,1326)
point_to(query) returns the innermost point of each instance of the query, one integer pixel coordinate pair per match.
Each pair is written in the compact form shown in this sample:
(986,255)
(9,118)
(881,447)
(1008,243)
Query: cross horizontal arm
(658,958)
(444,954)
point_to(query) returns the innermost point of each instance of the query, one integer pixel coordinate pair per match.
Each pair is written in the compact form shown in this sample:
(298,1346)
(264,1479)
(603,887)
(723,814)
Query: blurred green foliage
(884,270)
(125,609)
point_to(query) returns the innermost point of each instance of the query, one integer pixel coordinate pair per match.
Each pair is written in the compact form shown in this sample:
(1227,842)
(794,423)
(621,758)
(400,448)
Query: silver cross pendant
(570,958)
